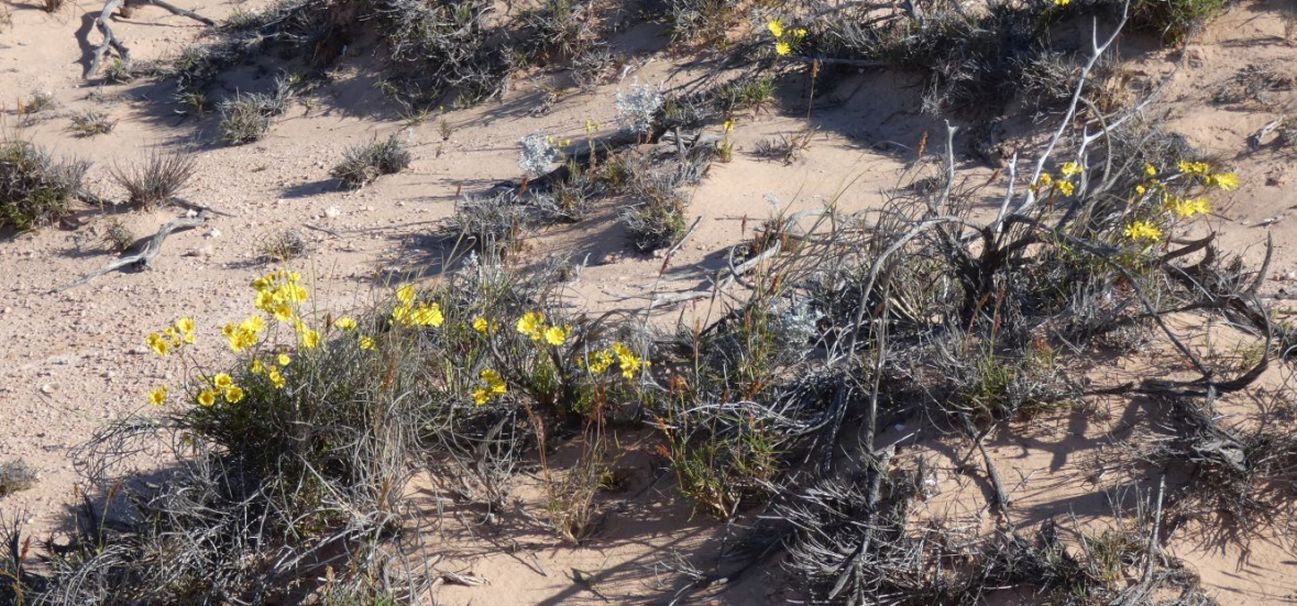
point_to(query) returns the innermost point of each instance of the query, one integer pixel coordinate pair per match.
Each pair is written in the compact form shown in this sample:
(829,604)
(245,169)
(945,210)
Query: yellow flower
(776,28)
(1185,208)
(283,359)
(1062,2)
(1193,168)
(222,381)
(798,34)
(234,394)
(185,325)
(493,386)
(1140,189)
(1044,181)
(428,315)
(366,343)
(1064,187)
(405,295)
(345,323)
(257,367)
(401,315)
(1150,170)
(292,293)
(207,398)
(481,325)
(1070,168)
(783,48)
(158,344)
(600,361)
(265,301)
(1225,181)
(1143,231)
(310,339)
(283,312)
(276,379)
(532,324)
(555,335)
(158,396)
(728,126)
(627,361)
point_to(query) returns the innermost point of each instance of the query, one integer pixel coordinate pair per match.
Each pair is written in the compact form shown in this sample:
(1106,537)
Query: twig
(145,257)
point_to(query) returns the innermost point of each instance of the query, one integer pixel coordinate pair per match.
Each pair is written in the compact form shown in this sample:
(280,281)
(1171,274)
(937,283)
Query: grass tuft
(157,179)
(362,164)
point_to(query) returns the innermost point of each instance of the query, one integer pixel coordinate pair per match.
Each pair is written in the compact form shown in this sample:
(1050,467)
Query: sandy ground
(76,359)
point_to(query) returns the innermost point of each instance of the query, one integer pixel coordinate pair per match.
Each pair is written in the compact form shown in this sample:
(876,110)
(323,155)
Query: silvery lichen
(636,107)
(536,152)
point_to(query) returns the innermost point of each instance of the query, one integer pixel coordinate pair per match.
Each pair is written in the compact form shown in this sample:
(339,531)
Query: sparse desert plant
(53,6)
(91,123)
(786,148)
(246,117)
(38,102)
(658,220)
(362,164)
(491,223)
(15,476)
(118,237)
(157,179)
(701,20)
(35,188)
(537,152)
(744,94)
(6,18)
(1175,20)
(637,107)
(285,246)
(119,71)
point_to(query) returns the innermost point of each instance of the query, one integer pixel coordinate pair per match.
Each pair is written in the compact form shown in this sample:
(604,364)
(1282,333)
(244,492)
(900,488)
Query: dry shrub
(157,179)
(364,163)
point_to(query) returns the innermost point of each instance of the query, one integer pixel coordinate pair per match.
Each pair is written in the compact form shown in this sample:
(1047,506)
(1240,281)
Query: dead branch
(115,43)
(145,257)
(110,40)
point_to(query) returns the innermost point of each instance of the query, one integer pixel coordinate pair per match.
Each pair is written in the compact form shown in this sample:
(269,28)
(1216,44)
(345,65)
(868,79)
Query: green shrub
(35,189)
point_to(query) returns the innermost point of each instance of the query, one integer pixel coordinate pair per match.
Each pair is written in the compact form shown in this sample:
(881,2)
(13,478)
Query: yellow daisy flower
(158,396)
(234,394)
(206,398)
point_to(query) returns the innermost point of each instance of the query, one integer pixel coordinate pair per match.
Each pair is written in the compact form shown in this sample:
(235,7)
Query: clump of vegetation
(53,6)
(246,117)
(658,221)
(362,164)
(157,179)
(35,188)
(1175,20)
(285,246)
(92,123)
(38,102)
(701,20)
(15,476)
(118,237)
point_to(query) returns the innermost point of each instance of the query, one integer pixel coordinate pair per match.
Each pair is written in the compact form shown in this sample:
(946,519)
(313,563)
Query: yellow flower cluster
(223,385)
(245,334)
(627,362)
(1202,171)
(172,337)
(272,373)
(1185,208)
(492,386)
(785,39)
(407,313)
(1062,183)
(533,325)
(1141,230)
